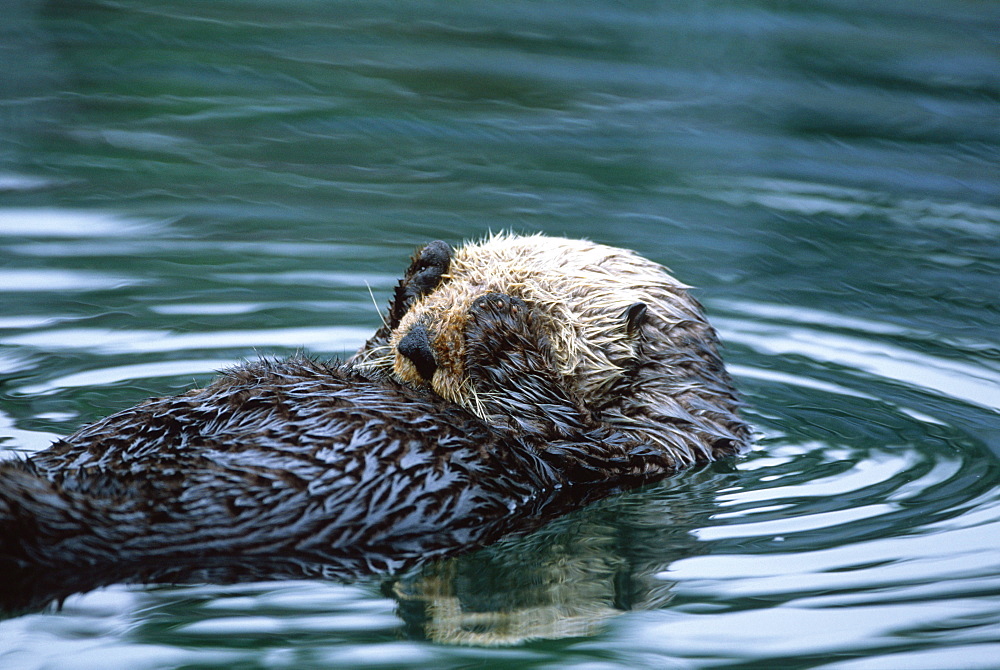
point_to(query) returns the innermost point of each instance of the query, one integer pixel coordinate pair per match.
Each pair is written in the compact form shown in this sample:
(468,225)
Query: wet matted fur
(628,341)
(513,379)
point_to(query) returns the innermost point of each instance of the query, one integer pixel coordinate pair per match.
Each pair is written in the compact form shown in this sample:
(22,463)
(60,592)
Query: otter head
(627,340)
(593,301)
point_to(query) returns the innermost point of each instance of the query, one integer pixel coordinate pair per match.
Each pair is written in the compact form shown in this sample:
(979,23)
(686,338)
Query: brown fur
(662,381)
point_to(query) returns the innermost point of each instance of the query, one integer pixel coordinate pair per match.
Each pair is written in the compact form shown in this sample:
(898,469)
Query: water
(184,185)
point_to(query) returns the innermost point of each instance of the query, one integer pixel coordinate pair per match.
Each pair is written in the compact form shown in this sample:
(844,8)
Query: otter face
(594,303)
(624,341)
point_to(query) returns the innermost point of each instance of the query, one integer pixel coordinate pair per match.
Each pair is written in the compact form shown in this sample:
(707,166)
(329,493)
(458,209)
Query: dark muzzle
(416,346)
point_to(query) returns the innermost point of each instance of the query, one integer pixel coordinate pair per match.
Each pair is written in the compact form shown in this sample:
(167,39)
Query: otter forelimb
(510,367)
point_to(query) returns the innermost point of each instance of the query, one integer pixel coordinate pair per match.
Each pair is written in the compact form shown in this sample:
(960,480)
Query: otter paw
(496,320)
(510,364)
(498,305)
(428,267)
(502,334)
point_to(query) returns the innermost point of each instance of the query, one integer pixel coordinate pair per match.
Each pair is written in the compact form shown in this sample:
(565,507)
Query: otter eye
(634,317)
(416,346)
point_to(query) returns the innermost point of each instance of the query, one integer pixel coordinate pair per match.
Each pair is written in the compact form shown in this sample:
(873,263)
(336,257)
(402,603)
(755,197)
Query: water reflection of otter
(565,580)
(345,463)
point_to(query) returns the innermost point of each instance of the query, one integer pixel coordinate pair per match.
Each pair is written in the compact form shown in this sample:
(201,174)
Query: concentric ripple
(187,184)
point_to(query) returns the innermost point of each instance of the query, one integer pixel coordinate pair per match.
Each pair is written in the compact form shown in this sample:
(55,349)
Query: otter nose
(416,346)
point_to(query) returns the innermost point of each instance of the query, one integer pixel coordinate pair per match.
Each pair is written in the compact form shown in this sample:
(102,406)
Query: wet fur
(272,458)
(327,463)
(625,341)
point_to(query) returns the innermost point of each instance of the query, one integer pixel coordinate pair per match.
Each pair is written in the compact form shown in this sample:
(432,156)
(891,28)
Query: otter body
(272,458)
(377,460)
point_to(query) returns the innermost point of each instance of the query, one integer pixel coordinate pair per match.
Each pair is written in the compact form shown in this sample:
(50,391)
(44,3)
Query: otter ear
(634,317)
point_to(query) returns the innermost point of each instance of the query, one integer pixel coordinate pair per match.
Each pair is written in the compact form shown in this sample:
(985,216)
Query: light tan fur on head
(583,289)
(679,396)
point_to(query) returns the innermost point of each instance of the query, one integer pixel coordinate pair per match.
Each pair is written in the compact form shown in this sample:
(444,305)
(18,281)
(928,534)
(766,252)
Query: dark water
(186,184)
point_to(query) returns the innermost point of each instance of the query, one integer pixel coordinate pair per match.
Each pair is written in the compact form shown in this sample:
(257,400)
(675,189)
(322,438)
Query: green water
(187,184)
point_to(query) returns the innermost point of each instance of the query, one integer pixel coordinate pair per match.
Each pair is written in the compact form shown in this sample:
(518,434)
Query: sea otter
(628,342)
(488,397)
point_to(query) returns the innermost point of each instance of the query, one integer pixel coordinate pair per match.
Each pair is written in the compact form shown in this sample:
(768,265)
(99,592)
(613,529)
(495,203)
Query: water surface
(184,185)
